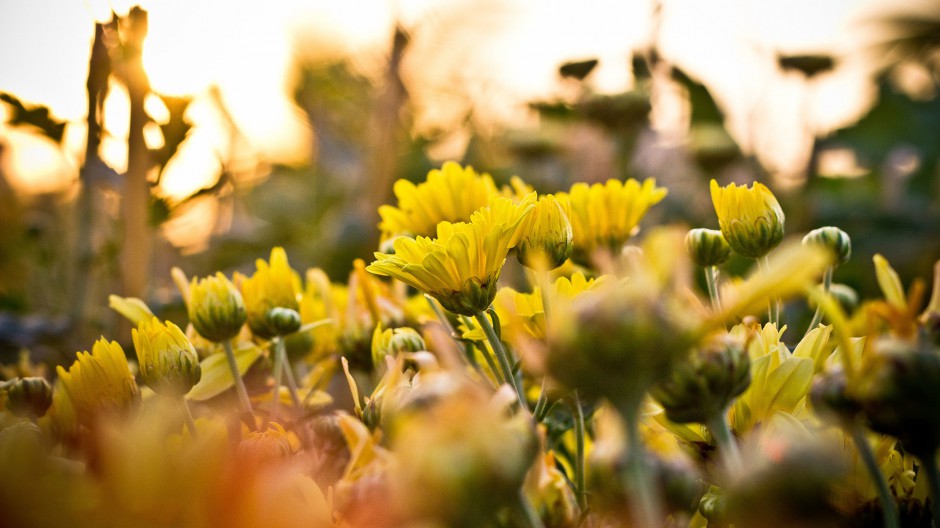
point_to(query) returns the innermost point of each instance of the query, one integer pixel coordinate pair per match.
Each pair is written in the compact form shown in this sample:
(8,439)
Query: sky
(507,51)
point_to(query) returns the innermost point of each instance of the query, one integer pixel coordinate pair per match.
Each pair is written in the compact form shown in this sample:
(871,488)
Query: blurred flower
(751,219)
(272,285)
(546,241)
(898,310)
(100,382)
(461,459)
(168,362)
(215,308)
(450,194)
(700,388)
(460,268)
(267,446)
(392,341)
(29,397)
(707,247)
(548,490)
(832,239)
(605,216)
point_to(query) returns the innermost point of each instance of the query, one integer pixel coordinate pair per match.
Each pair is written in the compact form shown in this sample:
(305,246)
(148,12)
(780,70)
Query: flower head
(29,396)
(459,268)
(607,215)
(393,341)
(100,382)
(215,307)
(546,241)
(168,362)
(451,193)
(751,219)
(707,247)
(272,285)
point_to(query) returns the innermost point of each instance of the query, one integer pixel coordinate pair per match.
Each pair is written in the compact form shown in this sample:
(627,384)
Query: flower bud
(265,447)
(168,362)
(897,390)
(215,308)
(833,239)
(707,247)
(29,397)
(392,341)
(99,383)
(546,242)
(283,321)
(829,396)
(751,219)
(701,388)
(272,285)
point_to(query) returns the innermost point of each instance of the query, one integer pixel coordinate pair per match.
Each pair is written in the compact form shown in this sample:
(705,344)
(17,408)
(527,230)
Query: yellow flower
(100,382)
(605,216)
(168,362)
(272,285)
(451,194)
(547,237)
(751,219)
(393,341)
(215,308)
(459,268)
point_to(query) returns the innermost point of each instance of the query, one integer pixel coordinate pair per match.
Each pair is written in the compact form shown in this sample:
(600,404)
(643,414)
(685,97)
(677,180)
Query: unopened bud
(833,239)
(29,397)
(707,247)
(392,341)
(547,240)
(283,321)
(216,309)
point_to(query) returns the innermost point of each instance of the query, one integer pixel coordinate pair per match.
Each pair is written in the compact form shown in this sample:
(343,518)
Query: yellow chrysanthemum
(546,242)
(751,219)
(273,285)
(451,193)
(168,362)
(215,308)
(607,215)
(100,382)
(459,268)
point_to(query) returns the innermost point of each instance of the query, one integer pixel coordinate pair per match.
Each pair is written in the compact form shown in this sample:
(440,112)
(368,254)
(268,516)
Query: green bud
(830,397)
(833,239)
(897,390)
(392,341)
(29,397)
(702,387)
(707,247)
(168,361)
(283,321)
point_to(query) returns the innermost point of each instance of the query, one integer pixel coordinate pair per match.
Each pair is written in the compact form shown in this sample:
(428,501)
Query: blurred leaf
(808,65)
(577,69)
(217,375)
(174,130)
(619,111)
(35,116)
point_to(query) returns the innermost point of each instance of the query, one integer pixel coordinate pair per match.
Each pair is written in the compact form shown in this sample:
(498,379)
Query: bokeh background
(135,137)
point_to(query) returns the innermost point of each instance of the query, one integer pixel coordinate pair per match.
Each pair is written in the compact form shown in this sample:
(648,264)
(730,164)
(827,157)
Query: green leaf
(217,375)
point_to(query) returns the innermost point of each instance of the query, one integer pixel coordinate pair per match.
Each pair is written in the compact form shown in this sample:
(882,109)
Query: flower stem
(278,375)
(188,417)
(501,356)
(646,509)
(730,453)
(289,376)
(541,404)
(773,311)
(528,511)
(817,317)
(889,511)
(490,362)
(243,400)
(711,278)
(578,411)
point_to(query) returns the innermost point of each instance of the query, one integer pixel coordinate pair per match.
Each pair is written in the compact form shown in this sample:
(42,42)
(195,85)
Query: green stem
(541,404)
(528,511)
(501,356)
(773,312)
(646,509)
(243,400)
(817,317)
(578,411)
(711,278)
(278,375)
(490,362)
(289,376)
(889,511)
(188,417)
(730,453)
